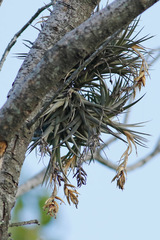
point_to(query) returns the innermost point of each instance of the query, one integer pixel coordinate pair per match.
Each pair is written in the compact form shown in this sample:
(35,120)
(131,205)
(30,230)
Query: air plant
(89,106)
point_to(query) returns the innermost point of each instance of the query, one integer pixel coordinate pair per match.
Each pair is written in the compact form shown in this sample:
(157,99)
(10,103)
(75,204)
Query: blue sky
(104,212)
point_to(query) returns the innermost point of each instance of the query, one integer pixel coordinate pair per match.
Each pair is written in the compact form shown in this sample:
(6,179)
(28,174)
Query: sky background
(104,212)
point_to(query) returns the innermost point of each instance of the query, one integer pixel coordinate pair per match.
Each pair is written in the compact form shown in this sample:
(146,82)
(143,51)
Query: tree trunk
(66,16)
(46,65)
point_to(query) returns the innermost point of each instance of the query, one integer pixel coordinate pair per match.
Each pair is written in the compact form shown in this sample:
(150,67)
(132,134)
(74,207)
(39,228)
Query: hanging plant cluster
(87,107)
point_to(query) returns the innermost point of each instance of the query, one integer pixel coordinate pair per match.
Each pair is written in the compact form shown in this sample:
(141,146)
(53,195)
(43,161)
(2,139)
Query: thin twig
(97,156)
(146,159)
(19,224)
(14,39)
(73,77)
(37,179)
(31,183)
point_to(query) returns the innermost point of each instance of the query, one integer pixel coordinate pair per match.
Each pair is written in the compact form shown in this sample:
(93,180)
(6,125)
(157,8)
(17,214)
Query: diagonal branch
(66,15)
(38,178)
(140,163)
(74,76)
(20,138)
(37,78)
(146,159)
(15,37)
(31,183)
(60,59)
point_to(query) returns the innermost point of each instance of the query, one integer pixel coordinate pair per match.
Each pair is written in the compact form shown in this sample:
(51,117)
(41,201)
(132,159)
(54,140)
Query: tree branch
(18,224)
(73,76)
(66,15)
(146,159)
(97,156)
(61,21)
(42,71)
(56,62)
(15,37)
(31,183)
(38,178)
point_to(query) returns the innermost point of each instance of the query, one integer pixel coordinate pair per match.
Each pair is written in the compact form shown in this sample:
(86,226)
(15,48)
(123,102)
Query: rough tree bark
(43,70)
(65,16)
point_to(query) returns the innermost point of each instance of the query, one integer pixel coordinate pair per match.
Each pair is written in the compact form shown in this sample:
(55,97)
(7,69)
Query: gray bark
(62,20)
(43,70)
(1,2)
(65,16)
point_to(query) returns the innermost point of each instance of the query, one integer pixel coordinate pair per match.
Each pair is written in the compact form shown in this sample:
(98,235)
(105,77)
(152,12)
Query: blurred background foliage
(33,232)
